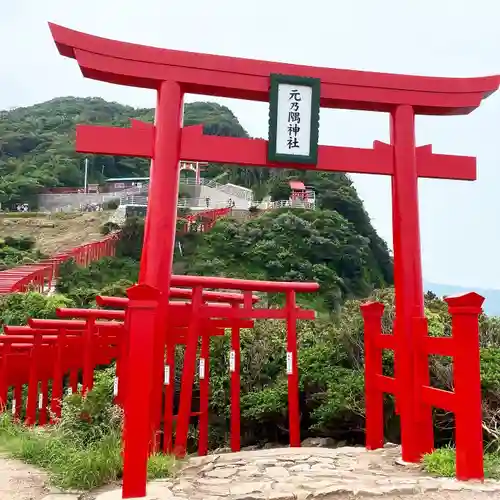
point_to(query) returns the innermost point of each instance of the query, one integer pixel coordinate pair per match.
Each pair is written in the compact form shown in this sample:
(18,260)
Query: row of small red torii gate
(58,356)
(148,320)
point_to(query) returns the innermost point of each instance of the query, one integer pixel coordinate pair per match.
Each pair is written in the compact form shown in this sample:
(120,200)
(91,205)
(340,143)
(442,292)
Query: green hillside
(37,151)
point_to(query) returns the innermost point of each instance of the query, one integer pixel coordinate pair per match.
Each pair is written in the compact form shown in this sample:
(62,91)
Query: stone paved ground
(275,474)
(310,473)
(19,481)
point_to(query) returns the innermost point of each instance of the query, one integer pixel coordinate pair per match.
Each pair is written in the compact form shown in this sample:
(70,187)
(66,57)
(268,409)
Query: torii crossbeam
(174,73)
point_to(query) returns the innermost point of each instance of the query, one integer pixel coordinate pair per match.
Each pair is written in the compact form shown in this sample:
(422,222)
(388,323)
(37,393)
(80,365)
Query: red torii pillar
(171,73)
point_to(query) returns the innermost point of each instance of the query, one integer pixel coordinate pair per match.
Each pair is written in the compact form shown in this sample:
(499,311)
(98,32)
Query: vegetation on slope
(56,232)
(17,251)
(37,143)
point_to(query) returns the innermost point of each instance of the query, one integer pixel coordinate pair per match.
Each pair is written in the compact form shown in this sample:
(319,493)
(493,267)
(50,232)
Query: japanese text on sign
(293,124)
(294,118)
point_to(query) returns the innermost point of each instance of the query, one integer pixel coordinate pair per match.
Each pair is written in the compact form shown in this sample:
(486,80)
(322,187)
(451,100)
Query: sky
(460,233)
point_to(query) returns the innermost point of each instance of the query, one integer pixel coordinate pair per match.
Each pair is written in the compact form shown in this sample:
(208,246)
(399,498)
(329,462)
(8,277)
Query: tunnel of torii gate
(173,73)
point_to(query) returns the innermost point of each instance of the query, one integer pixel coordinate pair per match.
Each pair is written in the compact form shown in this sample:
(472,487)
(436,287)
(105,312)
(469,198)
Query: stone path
(19,481)
(274,474)
(310,473)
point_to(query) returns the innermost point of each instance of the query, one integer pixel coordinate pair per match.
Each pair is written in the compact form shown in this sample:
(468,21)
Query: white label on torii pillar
(202,368)
(13,407)
(289,363)
(40,401)
(166,375)
(232,361)
(70,391)
(115,387)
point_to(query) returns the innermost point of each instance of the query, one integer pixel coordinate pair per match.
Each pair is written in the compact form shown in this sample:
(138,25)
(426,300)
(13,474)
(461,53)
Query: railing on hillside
(202,221)
(200,203)
(41,276)
(297,203)
(231,189)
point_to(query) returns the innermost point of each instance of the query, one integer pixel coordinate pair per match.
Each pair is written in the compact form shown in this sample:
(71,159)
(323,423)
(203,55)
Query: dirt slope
(56,232)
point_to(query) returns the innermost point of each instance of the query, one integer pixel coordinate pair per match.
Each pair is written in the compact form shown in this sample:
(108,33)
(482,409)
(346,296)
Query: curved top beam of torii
(142,66)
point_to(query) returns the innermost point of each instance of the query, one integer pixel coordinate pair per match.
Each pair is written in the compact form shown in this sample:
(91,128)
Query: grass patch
(442,463)
(69,464)
(82,451)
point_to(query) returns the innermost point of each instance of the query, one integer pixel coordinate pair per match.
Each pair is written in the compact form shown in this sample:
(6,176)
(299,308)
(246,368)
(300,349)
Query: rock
(240,488)
(269,446)
(300,468)
(276,472)
(222,472)
(390,445)
(214,481)
(280,495)
(252,447)
(221,451)
(318,442)
(265,462)
(322,467)
(249,471)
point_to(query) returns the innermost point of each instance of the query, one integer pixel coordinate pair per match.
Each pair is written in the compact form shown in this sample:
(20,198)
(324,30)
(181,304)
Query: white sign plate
(166,375)
(289,363)
(232,361)
(202,368)
(13,407)
(293,127)
(40,401)
(115,387)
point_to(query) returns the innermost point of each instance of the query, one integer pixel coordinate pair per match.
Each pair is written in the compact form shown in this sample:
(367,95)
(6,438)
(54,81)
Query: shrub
(111,205)
(106,276)
(16,308)
(109,227)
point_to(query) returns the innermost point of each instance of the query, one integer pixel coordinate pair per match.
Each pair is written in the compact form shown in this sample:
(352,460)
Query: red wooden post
(188,371)
(465,310)
(374,401)
(142,322)
(159,235)
(235,384)
(204,377)
(88,352)
(32,402)
(3,376)
(57,378)
(292,370)
(422,379)
(407,279)
(169,382)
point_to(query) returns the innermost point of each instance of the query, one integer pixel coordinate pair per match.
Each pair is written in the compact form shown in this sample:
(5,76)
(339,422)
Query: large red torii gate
(173,73)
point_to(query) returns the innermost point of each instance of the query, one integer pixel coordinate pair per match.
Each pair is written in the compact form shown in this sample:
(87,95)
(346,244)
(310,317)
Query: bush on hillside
(17,308)
(107,276)
(292,245)
(17,251)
